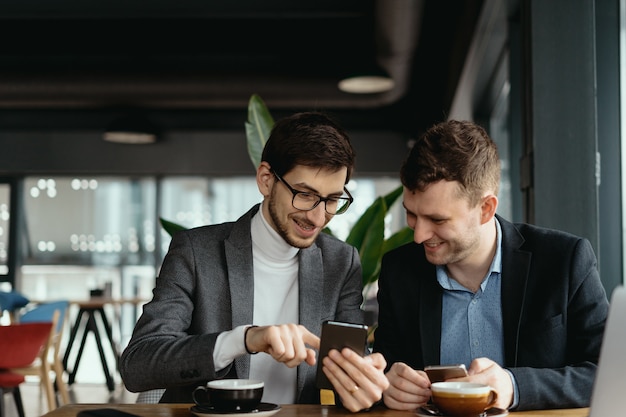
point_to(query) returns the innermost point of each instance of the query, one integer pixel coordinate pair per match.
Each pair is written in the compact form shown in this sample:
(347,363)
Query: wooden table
(182,410)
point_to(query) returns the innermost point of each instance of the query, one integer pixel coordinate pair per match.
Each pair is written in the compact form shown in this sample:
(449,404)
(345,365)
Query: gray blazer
(553,305)
(206,286)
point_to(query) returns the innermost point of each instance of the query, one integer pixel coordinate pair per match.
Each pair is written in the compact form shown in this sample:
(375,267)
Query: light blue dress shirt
(471,323)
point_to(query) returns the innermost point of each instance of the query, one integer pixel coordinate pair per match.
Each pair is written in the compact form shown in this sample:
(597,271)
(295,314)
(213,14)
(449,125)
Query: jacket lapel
(515,268)
(310,299)
(238,253)
(430,299)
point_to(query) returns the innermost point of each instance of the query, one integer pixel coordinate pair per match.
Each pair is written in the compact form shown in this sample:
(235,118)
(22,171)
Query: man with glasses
(263,284)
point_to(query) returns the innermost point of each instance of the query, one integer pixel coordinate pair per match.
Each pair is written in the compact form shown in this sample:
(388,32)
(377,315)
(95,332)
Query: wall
(189,152)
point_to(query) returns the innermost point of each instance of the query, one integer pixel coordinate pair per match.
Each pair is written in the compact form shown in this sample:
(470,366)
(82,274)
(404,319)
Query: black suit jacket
(554,308)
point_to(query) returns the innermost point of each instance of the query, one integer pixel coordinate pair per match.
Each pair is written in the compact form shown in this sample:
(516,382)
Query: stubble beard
(282,227)
(459,250)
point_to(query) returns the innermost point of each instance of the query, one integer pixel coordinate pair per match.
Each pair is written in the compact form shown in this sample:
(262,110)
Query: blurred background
(80,202)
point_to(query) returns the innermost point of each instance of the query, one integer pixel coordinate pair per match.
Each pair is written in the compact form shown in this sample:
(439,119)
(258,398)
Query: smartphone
(337,335)
(437,373)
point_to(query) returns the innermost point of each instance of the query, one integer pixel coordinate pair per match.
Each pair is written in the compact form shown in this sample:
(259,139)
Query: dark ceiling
(205,58)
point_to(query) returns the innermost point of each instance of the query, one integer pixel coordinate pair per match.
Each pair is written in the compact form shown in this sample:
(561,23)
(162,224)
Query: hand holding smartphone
(337,335)
(438,373)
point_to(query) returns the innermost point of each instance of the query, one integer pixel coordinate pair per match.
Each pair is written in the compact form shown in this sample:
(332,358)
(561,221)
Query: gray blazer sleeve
(168,344)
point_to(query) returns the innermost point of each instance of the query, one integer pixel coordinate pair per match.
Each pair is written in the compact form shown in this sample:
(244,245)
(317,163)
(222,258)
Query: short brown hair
(454,150)
(311,139)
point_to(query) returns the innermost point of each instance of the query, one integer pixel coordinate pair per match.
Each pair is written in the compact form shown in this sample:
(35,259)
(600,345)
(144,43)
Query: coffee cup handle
(494,399)
(200,396)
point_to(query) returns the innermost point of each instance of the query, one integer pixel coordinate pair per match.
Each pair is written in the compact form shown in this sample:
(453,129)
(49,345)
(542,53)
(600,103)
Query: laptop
(609,389)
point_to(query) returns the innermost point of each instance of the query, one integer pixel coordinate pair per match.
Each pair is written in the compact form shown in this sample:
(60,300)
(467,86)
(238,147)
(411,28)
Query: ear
(488,208)
(264,178)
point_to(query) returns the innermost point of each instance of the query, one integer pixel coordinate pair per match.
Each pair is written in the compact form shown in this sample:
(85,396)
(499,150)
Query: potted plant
(367,234)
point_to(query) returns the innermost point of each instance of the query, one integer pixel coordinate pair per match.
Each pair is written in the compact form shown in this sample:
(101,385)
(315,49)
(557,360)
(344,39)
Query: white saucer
(431,411)
(263,410)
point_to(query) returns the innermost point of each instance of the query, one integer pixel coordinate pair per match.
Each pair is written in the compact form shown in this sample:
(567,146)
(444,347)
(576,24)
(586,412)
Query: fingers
(309,338)
(486,371)
(408,389)
(478,365)
(286,343)
(359,381)
(310,357)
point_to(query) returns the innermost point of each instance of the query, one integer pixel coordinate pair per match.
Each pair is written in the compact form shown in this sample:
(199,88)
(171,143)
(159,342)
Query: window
(195,201)
(84,233)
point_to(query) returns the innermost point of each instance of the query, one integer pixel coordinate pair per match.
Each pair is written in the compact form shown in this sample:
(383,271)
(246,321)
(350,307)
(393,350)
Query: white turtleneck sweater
(275,264)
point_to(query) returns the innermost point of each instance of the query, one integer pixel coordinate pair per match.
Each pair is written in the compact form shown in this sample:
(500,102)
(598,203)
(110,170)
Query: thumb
(478,365)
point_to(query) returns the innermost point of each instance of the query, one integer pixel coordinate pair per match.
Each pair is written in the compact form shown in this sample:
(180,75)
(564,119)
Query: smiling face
(297,227)
(450,230)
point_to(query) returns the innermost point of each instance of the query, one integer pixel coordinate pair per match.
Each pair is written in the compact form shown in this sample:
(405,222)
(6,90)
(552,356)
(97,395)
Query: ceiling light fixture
(132,129)
(366,84)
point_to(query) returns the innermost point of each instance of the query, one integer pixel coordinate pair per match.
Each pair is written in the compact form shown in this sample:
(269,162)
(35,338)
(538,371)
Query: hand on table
(359,381)
(408,389)
(290,344)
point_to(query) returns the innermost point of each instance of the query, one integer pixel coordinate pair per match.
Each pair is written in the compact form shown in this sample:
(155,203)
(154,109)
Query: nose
(317,216)
(421,231)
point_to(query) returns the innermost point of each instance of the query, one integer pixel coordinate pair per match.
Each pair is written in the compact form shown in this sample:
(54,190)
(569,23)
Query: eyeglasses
(306,201)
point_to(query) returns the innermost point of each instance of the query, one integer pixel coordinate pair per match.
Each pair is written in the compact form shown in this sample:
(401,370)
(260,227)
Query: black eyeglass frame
(342,208)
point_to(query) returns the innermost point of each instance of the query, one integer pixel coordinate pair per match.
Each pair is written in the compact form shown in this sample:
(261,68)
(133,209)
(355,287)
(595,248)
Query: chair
(50,360)
(20,345)
(11,301)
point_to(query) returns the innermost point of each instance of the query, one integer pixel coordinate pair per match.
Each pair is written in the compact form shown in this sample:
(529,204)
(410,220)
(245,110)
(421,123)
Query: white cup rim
(460,387)
(235,384)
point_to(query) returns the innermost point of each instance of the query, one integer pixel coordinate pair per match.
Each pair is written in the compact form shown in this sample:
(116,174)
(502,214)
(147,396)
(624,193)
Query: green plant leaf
(171,227)
(367,235)
(393,196)
(401,237)
(372,249)
(258,128)
(359,230)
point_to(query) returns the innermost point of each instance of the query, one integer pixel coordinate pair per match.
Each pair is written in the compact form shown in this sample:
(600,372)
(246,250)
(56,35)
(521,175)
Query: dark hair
(310,139)
(454,151)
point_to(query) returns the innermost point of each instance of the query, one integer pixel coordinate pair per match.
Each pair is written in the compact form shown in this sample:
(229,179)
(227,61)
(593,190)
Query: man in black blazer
(522,306)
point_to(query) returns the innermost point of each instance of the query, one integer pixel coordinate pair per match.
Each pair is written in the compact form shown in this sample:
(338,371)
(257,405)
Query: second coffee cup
(462,399)
(230,394)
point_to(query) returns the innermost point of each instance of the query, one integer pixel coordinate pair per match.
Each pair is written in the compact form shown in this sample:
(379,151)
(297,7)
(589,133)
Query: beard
(283,226)
(457,249)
